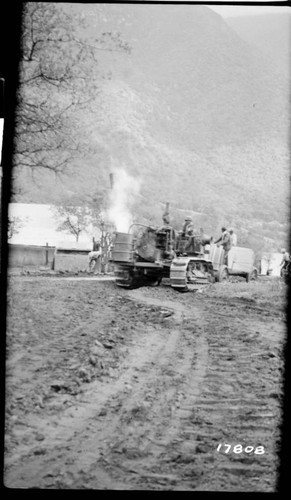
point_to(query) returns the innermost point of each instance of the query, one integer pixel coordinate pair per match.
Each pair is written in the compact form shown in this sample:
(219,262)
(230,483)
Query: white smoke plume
(123,195)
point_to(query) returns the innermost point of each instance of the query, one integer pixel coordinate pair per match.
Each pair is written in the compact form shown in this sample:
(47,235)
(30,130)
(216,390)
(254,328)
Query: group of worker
(227,239)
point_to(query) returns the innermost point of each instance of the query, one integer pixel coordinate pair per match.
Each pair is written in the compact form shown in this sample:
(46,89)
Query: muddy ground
(135,389)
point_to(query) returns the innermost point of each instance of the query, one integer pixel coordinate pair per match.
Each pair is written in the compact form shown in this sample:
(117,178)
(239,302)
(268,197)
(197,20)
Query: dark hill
(196,112)
(213,88)
(271,34)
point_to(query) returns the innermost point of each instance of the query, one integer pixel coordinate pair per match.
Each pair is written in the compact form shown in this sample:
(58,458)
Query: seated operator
(188,227)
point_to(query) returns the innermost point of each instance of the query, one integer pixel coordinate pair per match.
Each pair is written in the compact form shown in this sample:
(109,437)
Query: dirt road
(115,389)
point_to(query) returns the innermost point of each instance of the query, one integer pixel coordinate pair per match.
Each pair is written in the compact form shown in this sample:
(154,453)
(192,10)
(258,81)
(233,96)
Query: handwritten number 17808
(238,448)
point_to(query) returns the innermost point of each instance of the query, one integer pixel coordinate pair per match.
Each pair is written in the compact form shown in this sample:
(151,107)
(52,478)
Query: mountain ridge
(196,114)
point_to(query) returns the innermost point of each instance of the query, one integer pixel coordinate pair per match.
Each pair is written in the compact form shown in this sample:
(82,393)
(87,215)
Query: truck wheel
(222,274)
(252,275)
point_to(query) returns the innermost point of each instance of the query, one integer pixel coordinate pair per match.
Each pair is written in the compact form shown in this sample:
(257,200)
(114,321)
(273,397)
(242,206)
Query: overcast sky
(241,10)
(245,10)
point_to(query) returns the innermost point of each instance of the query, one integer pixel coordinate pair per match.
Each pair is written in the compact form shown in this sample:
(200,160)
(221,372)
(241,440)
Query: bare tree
(58,74)
(73,219)
(15,223)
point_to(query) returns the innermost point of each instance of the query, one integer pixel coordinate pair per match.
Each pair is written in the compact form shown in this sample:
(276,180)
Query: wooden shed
(71,256)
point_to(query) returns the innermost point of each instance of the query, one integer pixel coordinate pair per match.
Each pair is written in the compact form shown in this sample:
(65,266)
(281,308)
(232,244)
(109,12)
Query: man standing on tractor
(225,241)
(188,232)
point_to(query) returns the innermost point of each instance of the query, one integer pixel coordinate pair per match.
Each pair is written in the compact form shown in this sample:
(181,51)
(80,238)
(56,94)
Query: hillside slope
(195,112)
(271,34)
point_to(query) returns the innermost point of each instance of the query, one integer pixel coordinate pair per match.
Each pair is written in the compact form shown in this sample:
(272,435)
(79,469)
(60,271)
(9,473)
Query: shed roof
(74,245)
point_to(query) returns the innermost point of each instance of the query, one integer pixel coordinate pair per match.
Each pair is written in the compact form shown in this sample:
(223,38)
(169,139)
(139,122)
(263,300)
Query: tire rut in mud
(137,416)
(237,402)
(153,419)
(194,379)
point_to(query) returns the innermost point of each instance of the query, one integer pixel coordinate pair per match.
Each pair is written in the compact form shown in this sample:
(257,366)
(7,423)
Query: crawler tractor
(145,255)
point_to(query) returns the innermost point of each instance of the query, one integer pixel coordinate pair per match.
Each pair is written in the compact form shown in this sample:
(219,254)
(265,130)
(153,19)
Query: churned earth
(146,389)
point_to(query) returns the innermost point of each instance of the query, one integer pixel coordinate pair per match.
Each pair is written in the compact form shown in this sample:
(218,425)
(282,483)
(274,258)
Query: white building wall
(270,262)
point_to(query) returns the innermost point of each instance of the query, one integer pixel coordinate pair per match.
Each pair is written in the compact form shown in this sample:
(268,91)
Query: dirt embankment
(115,389)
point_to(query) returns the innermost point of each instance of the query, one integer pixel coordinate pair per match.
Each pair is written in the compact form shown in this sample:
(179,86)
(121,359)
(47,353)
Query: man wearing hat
(233,237)
(225,241)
